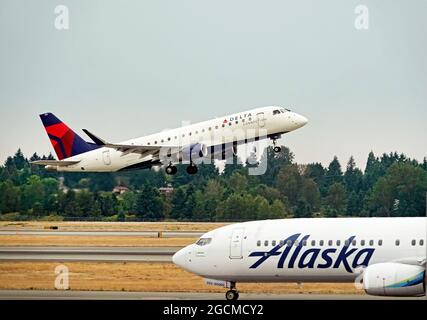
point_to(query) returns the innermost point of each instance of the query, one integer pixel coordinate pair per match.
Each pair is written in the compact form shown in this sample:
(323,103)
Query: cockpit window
(203,241)
(276,112)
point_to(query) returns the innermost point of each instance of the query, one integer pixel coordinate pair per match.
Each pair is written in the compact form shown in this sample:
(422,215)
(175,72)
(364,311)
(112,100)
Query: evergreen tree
(336,200)
(401,192)
(353,177)
(275,161)
(334,173)
(149,204)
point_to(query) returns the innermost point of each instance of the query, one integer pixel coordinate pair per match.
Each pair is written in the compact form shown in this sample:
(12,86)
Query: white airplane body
(201,140)
(389,254)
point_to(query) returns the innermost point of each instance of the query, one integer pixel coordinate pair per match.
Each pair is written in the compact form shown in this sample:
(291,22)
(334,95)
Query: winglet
(97,140)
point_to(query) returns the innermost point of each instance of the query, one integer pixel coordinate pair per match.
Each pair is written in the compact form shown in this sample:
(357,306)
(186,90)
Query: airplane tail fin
(65,141)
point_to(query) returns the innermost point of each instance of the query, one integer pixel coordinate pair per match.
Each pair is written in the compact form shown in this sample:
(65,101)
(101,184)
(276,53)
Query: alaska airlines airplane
(212,139)
(387,255)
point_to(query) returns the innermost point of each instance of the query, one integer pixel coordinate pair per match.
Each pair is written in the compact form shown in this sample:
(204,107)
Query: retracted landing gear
(192,169)
(232,294)
(171,169)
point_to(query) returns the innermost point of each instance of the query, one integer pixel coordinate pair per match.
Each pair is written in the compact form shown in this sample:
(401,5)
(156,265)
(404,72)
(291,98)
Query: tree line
(391,185)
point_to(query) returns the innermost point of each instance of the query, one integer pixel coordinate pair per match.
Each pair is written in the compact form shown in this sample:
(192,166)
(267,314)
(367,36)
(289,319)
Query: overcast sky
(129,68)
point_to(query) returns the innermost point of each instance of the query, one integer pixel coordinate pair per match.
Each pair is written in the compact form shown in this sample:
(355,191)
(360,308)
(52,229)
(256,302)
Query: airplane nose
(179,258)
(300,120)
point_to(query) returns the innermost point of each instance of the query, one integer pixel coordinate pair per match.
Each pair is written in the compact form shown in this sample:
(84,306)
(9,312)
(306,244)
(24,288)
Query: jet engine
(193,152)
(394,279)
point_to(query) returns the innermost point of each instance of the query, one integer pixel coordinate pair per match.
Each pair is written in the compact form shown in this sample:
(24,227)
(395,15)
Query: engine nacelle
(193,152)
(394,279)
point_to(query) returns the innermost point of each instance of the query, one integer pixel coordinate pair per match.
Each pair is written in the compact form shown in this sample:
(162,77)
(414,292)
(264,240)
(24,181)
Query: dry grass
(111,226)
(148,277)
(95,241)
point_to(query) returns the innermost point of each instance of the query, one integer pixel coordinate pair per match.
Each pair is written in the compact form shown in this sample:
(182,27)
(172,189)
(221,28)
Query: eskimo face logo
(348,258)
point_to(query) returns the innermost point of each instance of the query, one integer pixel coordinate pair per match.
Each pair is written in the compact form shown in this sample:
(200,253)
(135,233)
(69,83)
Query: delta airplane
(385,256)
(212,139)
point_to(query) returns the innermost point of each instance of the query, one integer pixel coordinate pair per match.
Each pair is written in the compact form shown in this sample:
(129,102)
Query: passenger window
(304,243)
(223,125)
(362,242)
(230,123)
(354,242)
(330,243)
(321,243)
(380,242)
(162,141)
(338,242)
(289,243)
(189,134)
(148,143)
(266,243)
(216,127)
(210,128)
(155,142)
(421,242)
(203,130)
(273,243)
(237,122)
(183,135)
(258,243)
(276,112)
(282,242)
(296,243)
(371,242)
(169,139)
(313,242)
(397,242)
(413,242)
(346,243)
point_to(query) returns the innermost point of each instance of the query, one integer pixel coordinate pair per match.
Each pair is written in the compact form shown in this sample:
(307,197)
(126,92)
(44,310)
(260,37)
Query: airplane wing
(418,261)
(143,150)
(58,163)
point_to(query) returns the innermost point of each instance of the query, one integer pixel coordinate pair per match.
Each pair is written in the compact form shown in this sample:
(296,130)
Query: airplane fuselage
(305,250)
(237,128)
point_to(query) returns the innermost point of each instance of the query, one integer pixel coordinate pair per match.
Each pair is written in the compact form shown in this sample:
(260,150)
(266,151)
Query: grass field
(110,226)
(148,277)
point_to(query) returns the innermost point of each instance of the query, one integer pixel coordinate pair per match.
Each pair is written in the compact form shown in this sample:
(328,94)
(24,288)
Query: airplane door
(261,119)
(236,244)
(106,157)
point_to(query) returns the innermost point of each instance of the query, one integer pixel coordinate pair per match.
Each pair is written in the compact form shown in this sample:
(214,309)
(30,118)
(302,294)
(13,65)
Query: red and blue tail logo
(64,140)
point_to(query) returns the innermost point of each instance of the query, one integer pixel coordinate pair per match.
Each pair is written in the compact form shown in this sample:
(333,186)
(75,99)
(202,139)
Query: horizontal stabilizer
(96,139)
(57,163)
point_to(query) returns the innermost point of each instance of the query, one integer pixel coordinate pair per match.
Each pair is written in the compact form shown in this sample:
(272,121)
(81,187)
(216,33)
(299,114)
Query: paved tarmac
(120,295)
(103,254)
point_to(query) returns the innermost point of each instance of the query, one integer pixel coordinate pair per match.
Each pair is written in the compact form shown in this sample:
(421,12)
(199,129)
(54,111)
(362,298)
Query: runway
(152,234)
(120,295)
(102,254)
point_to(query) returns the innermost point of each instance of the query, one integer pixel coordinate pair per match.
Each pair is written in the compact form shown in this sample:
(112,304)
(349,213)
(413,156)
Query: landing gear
(276,149)
(232,294)
(192,169)
(171,169)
